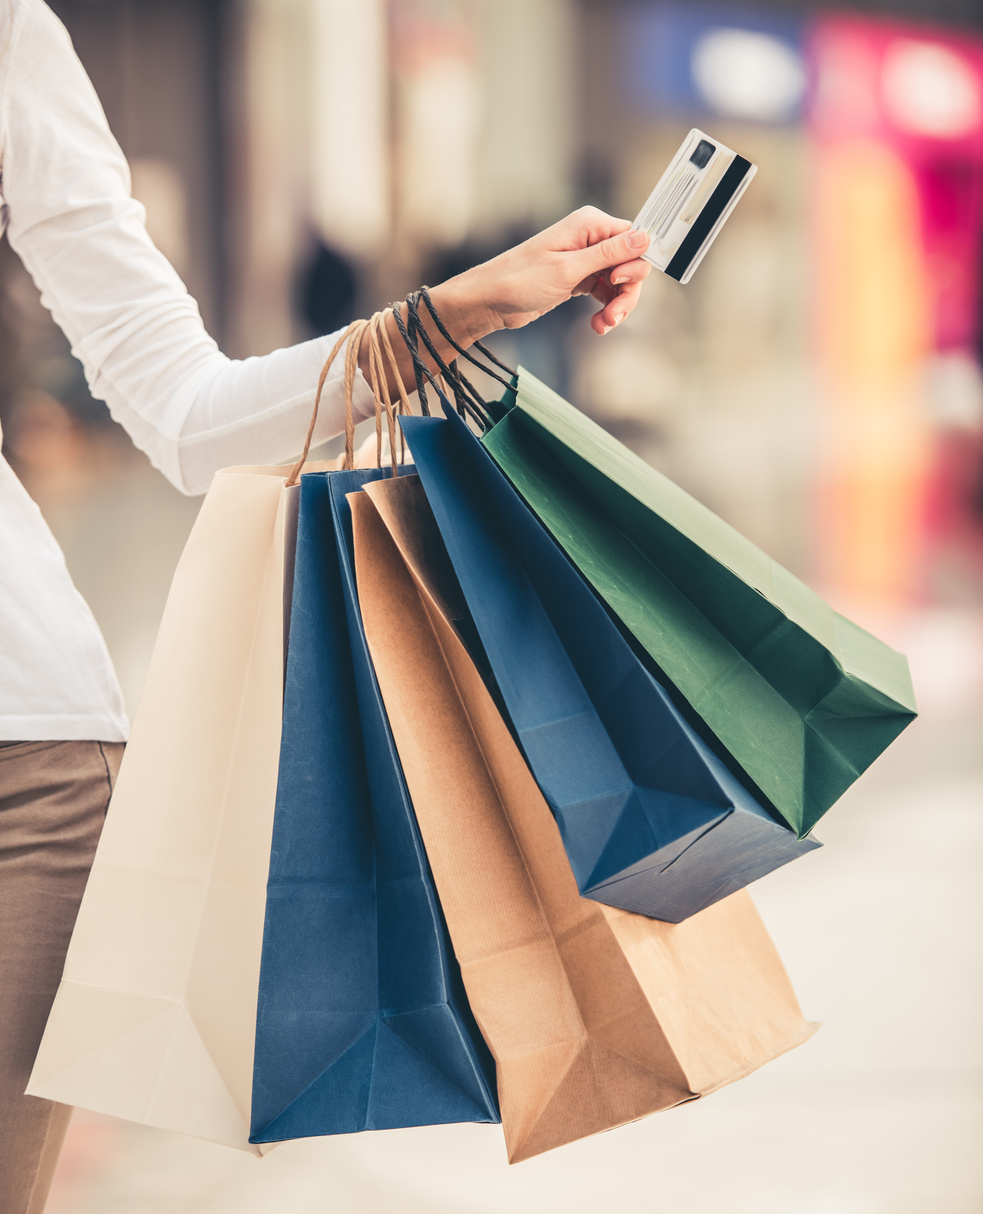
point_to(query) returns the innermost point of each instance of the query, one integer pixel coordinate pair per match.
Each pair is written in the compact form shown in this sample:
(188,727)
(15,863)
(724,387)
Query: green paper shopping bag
(799,698)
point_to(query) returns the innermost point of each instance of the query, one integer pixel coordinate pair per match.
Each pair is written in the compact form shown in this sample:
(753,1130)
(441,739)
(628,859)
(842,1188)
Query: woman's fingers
(615,251)
(604,287)
(615,309)
(583,228)
(597,286)
(632,271)
(588,286)
(616,300)
(616,268)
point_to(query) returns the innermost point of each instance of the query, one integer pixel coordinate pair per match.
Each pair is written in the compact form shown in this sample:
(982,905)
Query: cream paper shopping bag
(155,1017)
(595,1016)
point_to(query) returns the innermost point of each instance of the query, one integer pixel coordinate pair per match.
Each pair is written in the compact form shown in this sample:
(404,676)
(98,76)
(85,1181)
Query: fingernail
(604,329)
(618,318)
(616,282)
(636,239)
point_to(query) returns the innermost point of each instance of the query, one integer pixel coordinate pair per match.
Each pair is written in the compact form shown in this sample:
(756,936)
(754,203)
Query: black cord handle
(410,331)
(466,397)
(420,368)
(425,293)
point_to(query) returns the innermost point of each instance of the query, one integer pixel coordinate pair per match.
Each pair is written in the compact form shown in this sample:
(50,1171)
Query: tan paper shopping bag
(595,1016)
(155,1017)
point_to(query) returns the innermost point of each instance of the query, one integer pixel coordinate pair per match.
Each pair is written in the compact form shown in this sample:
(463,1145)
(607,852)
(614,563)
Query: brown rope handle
(379,341)
(404,400)
(380,389)
(354,328)
(352,352)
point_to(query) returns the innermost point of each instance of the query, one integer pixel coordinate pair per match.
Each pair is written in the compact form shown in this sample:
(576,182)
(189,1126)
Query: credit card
(688,207)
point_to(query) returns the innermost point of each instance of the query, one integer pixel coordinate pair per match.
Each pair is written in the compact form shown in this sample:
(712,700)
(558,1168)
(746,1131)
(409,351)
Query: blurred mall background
(818,383)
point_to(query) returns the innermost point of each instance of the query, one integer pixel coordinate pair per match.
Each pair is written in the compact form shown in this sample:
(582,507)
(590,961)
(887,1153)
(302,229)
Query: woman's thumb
(612,252)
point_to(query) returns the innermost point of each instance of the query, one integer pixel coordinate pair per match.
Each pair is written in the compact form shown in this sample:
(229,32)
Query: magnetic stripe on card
(703,225)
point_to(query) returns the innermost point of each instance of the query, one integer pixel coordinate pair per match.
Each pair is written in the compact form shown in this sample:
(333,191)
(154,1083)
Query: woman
(64,194)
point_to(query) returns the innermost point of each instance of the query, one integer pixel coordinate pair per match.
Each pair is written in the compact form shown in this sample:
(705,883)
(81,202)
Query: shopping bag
(652,821)
(799,698)
(155,1016)
(595,1016)
(362,1020)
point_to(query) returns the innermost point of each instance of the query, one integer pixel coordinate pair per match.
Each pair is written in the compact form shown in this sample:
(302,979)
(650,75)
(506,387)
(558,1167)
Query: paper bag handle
(353,330)
(379,341)
(379,344)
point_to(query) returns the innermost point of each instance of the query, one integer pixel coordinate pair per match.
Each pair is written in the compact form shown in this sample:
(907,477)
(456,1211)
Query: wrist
(462,308)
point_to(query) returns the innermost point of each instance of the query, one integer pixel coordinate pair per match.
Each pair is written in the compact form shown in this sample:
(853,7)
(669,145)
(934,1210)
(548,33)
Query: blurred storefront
(712,383)
(302,161)
(288,148)
(898,121)
(827,394)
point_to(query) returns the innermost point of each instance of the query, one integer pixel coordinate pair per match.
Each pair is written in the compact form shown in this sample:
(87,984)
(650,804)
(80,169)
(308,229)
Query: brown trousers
(53,798)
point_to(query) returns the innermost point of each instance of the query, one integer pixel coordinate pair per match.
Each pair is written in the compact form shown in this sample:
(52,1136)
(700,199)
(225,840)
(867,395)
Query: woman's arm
(128,316)
(137,331)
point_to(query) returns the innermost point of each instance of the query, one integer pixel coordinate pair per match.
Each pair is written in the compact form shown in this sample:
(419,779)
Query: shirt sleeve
(128,316)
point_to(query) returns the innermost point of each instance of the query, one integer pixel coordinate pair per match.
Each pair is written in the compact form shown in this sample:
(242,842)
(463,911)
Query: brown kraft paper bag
(595,1016)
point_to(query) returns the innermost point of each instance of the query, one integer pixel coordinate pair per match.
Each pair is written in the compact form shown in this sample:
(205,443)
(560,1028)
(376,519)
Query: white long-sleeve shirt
(65,201)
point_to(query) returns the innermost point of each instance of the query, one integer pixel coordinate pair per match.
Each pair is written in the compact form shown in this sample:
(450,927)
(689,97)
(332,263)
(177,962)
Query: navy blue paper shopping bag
(362,1021)
(651,819)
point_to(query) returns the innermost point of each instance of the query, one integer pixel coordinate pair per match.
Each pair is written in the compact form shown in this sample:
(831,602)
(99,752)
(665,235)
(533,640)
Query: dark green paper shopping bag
(798,697)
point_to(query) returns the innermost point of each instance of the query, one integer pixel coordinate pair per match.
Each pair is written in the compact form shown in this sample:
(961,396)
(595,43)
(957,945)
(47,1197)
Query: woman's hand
(588,253)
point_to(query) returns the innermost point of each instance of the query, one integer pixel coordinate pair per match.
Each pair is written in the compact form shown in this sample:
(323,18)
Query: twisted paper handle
(380,352)
(353,331)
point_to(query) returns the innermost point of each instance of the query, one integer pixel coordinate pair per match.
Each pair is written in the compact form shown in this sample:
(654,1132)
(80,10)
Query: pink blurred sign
(919,92)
